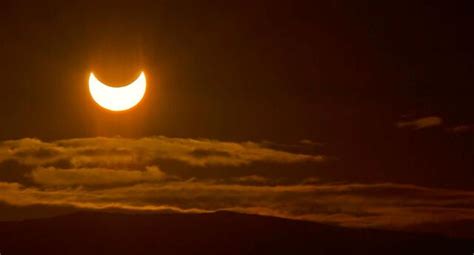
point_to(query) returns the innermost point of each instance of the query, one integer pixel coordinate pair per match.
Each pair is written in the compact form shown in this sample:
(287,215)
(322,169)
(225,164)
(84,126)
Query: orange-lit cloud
(87,152)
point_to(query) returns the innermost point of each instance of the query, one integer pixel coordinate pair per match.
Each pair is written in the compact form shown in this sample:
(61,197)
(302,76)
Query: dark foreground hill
(217,233)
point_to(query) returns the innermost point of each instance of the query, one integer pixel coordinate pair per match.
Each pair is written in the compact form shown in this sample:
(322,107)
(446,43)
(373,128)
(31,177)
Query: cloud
(310,143)
(106,152)
(51,176)
(251,179)
(386,205)
(421,123)
(120,173)
(461,129)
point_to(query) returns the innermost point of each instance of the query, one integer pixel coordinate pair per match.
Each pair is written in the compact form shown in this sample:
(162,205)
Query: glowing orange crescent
(117,98)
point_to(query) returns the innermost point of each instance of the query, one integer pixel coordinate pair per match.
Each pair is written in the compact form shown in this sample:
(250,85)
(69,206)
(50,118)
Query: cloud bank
(119,173)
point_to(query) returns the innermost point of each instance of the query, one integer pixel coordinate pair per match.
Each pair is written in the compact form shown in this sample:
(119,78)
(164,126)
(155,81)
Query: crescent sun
(117,98)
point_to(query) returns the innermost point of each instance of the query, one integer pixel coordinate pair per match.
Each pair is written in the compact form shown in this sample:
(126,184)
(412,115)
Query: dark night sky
(352,77)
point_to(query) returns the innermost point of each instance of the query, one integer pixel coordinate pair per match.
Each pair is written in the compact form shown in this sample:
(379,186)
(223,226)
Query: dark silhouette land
(215,233)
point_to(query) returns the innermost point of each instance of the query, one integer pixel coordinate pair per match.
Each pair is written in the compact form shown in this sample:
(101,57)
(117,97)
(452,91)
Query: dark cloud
(37,152)
(200,153)
(13,171)
(461,129)
(251,179)
(421,123)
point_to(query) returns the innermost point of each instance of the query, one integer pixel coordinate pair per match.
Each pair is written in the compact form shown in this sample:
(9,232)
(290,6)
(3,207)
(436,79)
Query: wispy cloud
(421,123)
(87,152)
